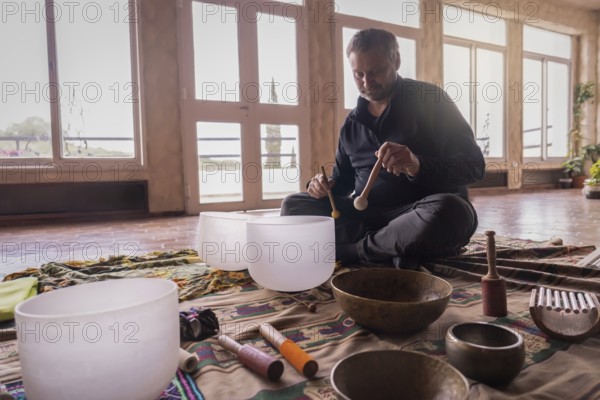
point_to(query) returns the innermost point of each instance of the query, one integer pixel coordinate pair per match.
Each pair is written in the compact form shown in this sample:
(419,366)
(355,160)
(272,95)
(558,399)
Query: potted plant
(591,152)
(592,185)
(583,93)
(573,169)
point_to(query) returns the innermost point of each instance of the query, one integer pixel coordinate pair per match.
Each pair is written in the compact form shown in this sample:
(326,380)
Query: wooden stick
(361,203)
(335,214)
(312,307)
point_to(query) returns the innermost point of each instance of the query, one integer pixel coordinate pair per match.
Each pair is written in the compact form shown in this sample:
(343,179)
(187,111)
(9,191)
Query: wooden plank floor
(537,215)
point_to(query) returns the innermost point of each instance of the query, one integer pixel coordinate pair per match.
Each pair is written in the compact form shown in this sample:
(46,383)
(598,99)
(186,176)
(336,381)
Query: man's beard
(382,92)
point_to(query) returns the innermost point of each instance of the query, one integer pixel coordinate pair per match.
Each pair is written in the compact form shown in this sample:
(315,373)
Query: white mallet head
(360,203)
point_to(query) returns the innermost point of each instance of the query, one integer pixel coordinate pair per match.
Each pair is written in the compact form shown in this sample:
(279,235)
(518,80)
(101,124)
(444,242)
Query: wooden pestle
(493,286)
(361,203)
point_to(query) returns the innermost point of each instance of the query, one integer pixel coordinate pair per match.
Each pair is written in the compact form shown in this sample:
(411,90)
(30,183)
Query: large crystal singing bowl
(116,339)
(290,253)
(222,239)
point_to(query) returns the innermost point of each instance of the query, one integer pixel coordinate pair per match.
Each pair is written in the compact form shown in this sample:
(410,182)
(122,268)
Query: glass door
(243,71)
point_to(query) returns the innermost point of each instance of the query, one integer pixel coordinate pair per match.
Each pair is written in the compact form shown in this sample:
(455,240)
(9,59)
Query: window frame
(59,163)
(249,114)
(473,46)
(544,59)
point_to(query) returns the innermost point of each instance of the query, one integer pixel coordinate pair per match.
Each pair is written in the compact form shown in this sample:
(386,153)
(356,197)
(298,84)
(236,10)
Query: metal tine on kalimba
(557,306)
(548,299)
(565,300)
(574,302)
(590,302)
(540,299)
(582,303)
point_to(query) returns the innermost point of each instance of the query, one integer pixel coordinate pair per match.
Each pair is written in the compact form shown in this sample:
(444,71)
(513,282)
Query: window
(546,93)
(74,92)
(245,122)
(399,12)
(474,74)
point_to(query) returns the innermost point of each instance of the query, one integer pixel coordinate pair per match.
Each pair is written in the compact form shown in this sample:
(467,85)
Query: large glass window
(546,93)
(466,24)
(250,123)
(25,104)
(398,12)
(277,63)
(75,84)
(216,81)
(474,74)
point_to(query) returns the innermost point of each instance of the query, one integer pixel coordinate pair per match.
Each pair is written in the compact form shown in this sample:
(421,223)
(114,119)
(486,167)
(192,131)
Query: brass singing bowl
(484,352)
(397,374)
(391,300)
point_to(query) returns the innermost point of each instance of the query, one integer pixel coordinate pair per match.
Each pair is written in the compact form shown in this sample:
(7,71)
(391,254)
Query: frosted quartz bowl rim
(60,292)
(293,220)
(228,215)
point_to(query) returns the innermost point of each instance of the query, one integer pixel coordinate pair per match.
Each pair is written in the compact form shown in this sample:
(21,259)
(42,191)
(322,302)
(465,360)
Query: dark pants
(436,225)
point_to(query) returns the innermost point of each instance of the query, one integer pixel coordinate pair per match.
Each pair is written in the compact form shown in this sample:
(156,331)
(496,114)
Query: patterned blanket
(553,368)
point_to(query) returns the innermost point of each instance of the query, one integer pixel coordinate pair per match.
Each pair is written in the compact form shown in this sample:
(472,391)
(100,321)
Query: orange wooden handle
(299,358)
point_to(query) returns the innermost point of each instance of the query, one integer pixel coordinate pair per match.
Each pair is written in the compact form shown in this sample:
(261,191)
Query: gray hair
(367,39)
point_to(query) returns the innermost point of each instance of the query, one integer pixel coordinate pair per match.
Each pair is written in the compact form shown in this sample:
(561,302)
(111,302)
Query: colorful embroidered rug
(184,267)
(553,369)
(329,334)
(182,387)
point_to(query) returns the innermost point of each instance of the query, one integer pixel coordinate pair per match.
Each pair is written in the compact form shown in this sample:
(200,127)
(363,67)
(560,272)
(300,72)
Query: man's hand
(398,159)
(318,186)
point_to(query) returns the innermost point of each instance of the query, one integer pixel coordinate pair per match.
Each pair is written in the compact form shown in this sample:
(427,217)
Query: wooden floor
(537,215)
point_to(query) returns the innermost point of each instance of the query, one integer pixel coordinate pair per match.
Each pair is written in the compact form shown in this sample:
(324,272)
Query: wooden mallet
(361,203)
(335,214)
(290,350)
(251,357)
(493,286)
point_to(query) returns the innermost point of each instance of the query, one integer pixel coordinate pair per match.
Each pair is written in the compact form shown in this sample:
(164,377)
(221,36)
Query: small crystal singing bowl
(487,353)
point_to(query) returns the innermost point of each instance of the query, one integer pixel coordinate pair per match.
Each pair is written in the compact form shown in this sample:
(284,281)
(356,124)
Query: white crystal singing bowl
(116,339)
(290,253)
(222,237)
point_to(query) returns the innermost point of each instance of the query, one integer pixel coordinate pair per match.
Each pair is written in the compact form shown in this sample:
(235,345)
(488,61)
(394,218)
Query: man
(418,206)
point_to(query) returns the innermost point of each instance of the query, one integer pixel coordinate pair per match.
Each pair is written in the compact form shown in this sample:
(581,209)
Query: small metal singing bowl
(397,374)
(487,353)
